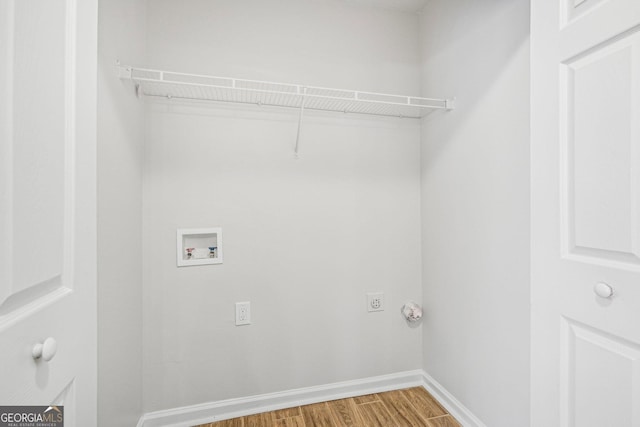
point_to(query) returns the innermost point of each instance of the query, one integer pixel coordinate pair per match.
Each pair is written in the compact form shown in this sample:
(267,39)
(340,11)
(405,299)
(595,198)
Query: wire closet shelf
(223,89)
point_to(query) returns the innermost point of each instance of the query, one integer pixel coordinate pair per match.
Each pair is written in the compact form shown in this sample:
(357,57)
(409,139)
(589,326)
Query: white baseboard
(232,408)
(463,415)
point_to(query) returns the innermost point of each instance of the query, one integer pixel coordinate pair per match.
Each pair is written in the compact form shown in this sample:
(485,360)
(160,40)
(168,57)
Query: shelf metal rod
(287,107)
(251,90)
(223,89)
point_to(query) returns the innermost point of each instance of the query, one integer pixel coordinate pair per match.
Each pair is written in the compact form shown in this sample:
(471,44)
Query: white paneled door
(585,172)
(47,205)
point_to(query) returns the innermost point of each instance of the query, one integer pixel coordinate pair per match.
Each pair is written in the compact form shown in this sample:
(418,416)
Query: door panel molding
(599,370)
(600,155)
(574,9)
(25,249)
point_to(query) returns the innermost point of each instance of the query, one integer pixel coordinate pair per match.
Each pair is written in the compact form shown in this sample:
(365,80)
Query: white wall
(475,205)
(120,143)
(304,239)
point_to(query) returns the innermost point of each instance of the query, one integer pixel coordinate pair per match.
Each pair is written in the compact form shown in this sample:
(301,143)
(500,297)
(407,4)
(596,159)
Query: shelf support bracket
(123,72)
(297,146)
(450,104)
(126,73)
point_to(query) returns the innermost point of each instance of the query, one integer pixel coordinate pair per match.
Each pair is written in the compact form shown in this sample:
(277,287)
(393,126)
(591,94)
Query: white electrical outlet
(375,301)
(243,313)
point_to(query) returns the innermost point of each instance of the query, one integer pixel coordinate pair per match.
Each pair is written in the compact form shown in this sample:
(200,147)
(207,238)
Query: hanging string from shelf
(297,146)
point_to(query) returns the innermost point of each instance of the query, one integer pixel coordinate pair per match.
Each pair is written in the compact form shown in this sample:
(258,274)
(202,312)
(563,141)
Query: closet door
(585,213)
(47,205)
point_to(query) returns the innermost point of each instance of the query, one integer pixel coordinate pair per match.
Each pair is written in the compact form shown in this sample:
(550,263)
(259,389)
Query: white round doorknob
(46,350)
(603,290)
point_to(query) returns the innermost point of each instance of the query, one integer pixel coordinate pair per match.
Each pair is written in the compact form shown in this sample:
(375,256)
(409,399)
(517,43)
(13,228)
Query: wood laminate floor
(411,407)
